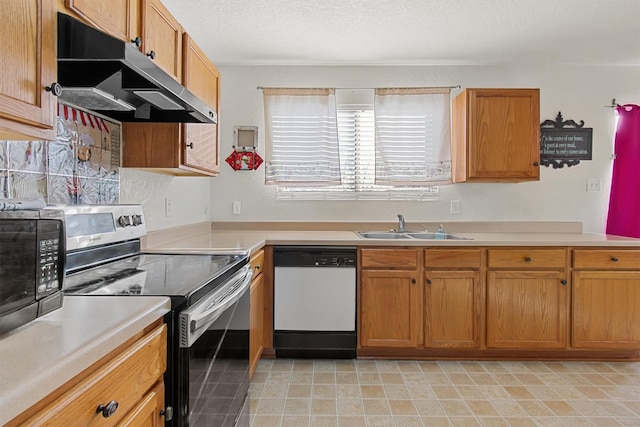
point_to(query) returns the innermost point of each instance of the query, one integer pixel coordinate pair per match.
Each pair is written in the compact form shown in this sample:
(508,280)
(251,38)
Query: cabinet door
(452,309)
(116,17)
(502,135)
(526,309)
(162,35)
(27,110)
(256,322)
(389,309)
(606,309)
(147,412)
(201,77)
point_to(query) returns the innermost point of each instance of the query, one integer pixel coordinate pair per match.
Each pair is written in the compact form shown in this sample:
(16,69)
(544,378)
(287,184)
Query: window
(374,159)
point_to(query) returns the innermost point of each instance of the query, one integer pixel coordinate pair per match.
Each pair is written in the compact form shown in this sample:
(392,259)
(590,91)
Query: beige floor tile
(436,421)
(279,377)
(297,407)
(324,378)
(427,366)
(275,391)
(445,392)
(351,421)
(391,378)
(450,366)
(527,378)
(544,392)
(592,392)
(429,408)
(464,422)
(299,391)
(421,391)
(460,378)
(389,366)
(472,366)
(432,378)
(350,407)
(376,407)
(295,420)
(455,408)
(482,408)
(348,391)
(629,422)
(483,379)
(493,422)
(301,378)
(396,391)
(604,422)
(588,408)
(379,421)
(519,392)
(270,407)
(372,391)
(259,377)
(597,379)
(345,365)
(409,366)
(470,392)
(267,421)
(561,408)
(402,407)
(282,365)
(369,378)
(508,408)
(367,366)
(520,422)
(324,365)
(303,365)
(617,409)
(346,378)
(323,391)
(494,392)
(535,408)
(408,421)
(323,421)
(323,407)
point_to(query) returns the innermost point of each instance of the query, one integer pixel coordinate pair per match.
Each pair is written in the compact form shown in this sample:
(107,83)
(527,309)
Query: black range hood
(113,78)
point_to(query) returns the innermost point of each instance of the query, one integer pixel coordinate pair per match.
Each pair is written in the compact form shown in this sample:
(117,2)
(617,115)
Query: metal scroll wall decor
(564,142)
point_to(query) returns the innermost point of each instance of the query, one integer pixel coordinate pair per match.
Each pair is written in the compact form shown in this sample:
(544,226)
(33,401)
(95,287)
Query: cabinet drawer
(607,258)
(125,379)
(527,258)
(469,258)
(257,262)
(401,258)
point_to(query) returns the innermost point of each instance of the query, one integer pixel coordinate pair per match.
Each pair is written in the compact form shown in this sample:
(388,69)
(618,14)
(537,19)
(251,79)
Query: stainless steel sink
(432,236)
(391,235)
(382,235)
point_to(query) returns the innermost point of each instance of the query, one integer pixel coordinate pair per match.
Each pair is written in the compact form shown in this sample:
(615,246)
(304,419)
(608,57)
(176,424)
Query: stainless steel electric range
(207,377)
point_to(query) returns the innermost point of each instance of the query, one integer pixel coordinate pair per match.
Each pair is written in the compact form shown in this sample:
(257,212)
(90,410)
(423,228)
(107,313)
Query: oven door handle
(194,324)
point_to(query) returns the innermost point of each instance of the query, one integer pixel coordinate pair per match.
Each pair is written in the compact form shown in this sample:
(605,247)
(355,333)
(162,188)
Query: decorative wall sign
(564,142)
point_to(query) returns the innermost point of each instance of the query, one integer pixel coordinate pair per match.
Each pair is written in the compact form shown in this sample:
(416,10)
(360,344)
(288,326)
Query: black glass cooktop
(156,274)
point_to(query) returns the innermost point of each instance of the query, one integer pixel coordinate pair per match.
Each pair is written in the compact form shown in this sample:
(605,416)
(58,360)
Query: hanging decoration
(244,159)
(564,142)
(244,156)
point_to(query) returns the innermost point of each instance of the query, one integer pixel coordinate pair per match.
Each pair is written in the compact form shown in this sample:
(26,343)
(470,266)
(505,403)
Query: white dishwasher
(314,306)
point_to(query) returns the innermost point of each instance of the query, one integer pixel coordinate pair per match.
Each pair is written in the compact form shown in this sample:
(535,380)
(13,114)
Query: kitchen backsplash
(80,167)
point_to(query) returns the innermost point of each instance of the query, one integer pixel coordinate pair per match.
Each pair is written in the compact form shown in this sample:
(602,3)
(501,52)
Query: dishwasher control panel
(294,256)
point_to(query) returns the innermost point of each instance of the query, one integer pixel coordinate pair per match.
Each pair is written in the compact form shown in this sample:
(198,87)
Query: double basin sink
(423,235)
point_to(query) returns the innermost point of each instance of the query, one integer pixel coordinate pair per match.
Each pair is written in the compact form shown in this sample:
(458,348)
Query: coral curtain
(624,200)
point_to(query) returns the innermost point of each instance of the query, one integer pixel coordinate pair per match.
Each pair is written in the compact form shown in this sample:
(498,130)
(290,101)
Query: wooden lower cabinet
(256,311)
(146,414)
(606,309)
(527,309)
(132,378)
(389,309)
(452,309)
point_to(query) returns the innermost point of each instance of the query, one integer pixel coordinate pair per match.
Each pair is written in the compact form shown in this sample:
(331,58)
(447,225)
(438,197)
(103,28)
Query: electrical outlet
(205,211)
(594,185)
(237,207)
(168,210)
(455,207)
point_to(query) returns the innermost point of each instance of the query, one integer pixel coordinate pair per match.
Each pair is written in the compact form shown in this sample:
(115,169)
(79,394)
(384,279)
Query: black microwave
(32,261)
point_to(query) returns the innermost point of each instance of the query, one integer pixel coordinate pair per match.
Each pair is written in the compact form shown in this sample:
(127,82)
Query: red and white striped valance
(80,116)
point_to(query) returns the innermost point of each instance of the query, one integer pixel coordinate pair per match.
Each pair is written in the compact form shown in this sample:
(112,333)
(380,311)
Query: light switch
(237,207)
(594,185)
(455,207)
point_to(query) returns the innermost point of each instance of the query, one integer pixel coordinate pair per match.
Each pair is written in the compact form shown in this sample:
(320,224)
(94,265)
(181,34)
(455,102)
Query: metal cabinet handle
(167,413)
(137,41)
(527,259)
(258,267)
(152,54)
(413,281)
(107,410)
(564,282)
(54,88)
(190,145)
(536,164)
(428,281)
(614,259)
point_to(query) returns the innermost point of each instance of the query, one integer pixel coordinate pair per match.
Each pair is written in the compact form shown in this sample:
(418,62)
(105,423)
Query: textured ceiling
(413,32)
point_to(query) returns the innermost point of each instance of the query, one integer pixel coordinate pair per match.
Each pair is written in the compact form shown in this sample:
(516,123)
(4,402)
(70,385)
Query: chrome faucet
(401,223)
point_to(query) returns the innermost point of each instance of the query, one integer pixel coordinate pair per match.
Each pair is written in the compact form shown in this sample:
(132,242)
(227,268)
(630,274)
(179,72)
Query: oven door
(214,358)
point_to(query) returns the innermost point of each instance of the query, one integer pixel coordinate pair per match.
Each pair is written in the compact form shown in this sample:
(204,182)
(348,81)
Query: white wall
(579,92)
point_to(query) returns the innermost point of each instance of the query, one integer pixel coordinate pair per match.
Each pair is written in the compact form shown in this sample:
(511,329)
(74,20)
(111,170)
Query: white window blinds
(413,136)
(301,137)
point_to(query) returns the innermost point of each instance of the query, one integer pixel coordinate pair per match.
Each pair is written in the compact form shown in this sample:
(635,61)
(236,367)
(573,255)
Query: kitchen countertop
(251,240)
(39,357)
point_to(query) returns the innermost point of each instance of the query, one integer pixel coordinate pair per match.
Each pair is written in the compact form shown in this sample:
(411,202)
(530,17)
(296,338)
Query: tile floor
(390,393)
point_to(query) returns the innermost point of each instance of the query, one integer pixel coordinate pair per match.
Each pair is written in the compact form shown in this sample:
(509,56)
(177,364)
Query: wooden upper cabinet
(162,37)
(27,110)
(496,135)
(200,77)
(119,18)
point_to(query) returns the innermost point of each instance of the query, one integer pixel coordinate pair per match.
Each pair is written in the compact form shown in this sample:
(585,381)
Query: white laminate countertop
(251,240)
(41,356)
